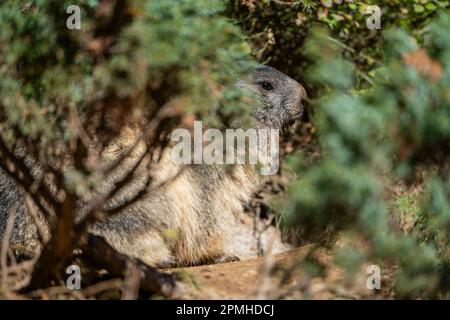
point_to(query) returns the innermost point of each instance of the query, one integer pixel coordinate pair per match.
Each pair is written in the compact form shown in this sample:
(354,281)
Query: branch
(102,255)
(147,189)
(59,249)
(285,3)
(28,179)
(151,131)
(28,188)
(32,150)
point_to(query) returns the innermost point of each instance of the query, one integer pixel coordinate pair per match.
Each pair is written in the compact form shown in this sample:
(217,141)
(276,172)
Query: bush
(373,139)
(66,95)
(278,29)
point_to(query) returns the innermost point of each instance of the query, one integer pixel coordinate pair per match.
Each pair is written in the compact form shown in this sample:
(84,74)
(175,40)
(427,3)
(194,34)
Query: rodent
(188,220)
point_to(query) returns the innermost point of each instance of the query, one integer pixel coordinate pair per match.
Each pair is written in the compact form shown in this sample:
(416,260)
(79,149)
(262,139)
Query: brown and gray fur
(187,220)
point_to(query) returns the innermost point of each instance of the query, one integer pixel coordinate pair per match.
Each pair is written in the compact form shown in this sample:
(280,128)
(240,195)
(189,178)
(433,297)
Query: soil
(276,275)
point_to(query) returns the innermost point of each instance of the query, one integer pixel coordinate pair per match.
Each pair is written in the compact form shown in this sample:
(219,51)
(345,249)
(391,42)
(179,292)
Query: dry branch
(102,255)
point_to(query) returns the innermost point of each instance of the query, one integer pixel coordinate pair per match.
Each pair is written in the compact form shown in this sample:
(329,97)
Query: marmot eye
(266,86)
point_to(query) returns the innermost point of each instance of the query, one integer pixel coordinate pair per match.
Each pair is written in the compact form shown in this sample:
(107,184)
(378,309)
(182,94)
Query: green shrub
(371,139)
(278,29)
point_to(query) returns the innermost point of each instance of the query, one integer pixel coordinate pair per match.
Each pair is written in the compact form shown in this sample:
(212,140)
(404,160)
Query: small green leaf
(327,3)
(418,8)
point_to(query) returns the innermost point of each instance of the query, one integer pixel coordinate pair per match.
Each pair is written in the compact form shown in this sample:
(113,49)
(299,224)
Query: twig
(265,287)
(26,187)
(164,112)
(285,3)
(4,249)
(27,182)
(28,177)
(150,132)
(55,291)
(146,190)
(42,233)
(102,286)
(18,271)
(131,282)
(104,256)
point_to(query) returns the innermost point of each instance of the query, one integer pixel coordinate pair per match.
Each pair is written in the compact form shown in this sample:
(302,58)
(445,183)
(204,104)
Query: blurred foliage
(133,56)
(370,140)
(278,29)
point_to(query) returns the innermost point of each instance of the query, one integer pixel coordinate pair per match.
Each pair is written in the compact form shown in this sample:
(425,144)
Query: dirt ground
(276,275)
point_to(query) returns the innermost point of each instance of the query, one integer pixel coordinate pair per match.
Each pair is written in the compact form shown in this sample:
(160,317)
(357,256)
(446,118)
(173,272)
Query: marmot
(188,220)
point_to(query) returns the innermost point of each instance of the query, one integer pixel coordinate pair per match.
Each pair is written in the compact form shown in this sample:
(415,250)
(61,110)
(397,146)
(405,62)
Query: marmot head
(280,98)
